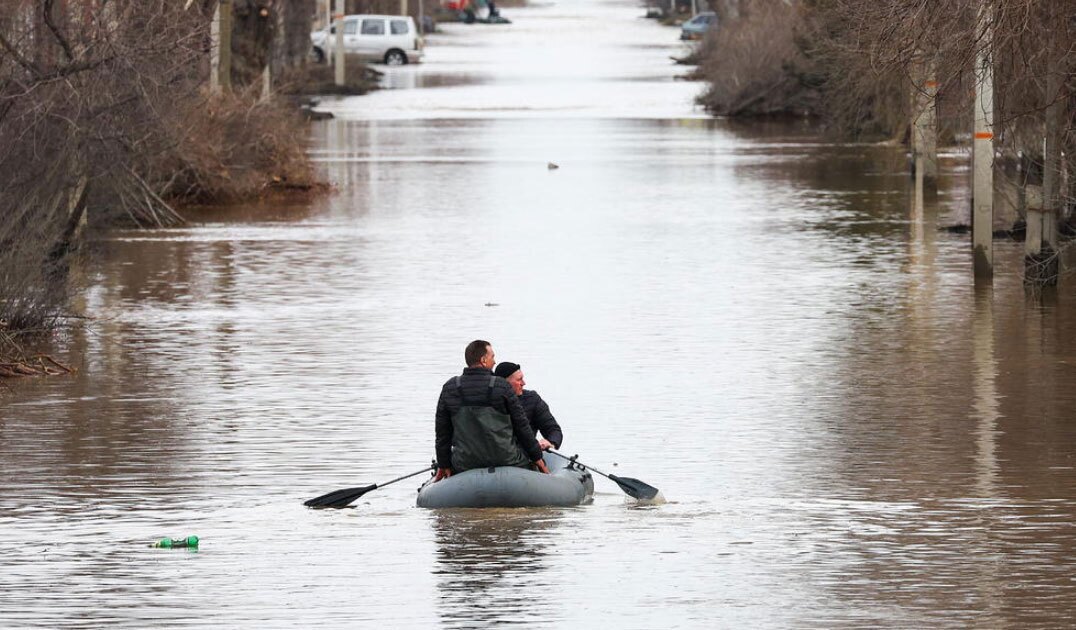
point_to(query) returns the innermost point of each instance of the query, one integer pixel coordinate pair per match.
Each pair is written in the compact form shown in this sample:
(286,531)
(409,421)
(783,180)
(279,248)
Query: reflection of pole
(986,403)
(919,202)
(338,20)
(982,224)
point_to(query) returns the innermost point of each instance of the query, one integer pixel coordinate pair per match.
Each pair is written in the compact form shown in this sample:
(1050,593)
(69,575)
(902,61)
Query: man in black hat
(538,414)
(480,422)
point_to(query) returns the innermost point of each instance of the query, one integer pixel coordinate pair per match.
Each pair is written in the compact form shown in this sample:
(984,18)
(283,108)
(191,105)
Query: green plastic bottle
(176,543)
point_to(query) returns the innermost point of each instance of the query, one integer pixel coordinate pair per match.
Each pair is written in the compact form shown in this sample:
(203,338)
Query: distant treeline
(857,64)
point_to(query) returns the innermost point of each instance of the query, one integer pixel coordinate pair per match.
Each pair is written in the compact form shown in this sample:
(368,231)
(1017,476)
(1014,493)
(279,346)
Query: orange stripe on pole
(984,135)
(931,84)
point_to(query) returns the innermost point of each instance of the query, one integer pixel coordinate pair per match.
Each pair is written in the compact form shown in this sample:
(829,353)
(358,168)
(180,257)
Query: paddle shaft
(581,464)
(341,498)
(632,487)
(387,483)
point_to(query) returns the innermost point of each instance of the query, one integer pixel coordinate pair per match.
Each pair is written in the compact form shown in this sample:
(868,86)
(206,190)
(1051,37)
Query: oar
(631,487)
(342,498)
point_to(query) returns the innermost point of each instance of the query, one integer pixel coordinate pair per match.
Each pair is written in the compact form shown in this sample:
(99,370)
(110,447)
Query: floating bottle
(190,542)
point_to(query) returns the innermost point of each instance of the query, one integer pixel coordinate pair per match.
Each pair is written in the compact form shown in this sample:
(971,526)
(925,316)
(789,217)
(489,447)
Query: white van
(392,39)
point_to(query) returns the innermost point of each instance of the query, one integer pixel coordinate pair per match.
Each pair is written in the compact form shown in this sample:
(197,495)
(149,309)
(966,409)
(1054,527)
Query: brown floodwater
(762,324)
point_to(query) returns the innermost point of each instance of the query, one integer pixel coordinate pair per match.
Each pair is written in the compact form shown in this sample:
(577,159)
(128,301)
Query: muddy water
(763,325)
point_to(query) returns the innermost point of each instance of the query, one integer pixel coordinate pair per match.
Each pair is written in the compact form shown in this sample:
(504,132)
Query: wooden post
(267,82)
(924,126)
(338,53)
(220,65)
(983,149)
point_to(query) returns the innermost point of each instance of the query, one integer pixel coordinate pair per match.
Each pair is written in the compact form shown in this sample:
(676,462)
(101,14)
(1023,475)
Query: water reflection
(987,407)
(766,325)
(490,564)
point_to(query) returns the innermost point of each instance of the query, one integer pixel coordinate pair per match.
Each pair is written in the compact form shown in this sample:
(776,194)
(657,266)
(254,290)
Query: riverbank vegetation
(913,71)
(858,64)
(106,119)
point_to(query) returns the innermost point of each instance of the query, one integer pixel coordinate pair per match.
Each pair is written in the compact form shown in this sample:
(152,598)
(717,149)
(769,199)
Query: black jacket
(540,417)
(475,385)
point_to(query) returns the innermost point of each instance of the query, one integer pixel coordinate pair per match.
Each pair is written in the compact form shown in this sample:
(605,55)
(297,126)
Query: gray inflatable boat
(508,486)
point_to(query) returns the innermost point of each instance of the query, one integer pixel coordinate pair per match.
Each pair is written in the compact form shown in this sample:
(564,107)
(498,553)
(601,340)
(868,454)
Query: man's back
(481,423)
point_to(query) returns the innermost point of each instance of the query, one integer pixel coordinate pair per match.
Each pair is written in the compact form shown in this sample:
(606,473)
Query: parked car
(698,26)
(392,39)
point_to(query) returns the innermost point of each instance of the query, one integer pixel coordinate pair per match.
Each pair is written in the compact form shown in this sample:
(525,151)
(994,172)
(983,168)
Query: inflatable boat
(506,486)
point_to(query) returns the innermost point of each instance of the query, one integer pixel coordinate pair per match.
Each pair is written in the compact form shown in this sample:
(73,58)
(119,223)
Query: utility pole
(925,126)
(338,20)
(982,223)
(403,7)
(1041,264)
(220,34)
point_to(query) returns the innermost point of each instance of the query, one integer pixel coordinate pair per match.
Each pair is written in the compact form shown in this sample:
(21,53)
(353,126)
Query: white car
(392,39)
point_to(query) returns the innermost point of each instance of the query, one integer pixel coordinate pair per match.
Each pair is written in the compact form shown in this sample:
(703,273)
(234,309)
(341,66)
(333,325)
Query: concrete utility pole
(1041,264)
(403,7)
(338,19)
(925,126)
(982,223)
(220,65)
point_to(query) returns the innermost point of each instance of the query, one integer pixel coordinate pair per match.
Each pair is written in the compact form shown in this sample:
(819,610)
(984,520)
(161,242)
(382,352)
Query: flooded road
(760,324)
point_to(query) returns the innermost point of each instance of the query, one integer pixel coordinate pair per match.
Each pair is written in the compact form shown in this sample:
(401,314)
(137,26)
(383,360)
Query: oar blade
(635,488)
(338,498)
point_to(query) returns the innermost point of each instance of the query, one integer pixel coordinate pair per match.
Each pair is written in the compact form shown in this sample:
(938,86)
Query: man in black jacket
(541,419)
(479,420)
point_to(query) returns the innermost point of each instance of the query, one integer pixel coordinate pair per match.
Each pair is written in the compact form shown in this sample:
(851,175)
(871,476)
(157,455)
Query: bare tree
(105,117)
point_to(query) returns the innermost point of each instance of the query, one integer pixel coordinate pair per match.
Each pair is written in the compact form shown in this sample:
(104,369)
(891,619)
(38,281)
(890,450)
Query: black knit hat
(506,369)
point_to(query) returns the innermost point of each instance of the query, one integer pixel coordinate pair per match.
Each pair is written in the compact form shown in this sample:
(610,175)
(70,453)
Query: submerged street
(756,321)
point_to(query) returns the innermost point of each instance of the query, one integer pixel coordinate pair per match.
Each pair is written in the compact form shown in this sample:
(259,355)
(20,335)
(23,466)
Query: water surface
(758,322)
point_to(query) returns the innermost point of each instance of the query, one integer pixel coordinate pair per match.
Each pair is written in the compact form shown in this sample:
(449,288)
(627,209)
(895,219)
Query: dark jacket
(540,417)
(475,385)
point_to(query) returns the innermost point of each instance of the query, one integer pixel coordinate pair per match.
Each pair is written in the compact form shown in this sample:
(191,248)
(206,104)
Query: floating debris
(190,542)
(41,365)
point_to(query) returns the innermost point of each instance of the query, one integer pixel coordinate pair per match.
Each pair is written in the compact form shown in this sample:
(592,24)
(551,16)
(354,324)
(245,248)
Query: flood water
(760,323)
